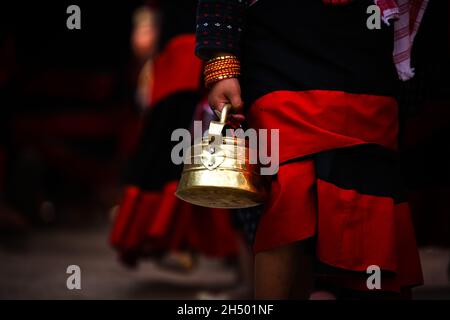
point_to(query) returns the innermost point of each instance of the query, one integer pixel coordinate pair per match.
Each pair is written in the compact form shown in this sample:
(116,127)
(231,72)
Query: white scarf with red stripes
(407,16)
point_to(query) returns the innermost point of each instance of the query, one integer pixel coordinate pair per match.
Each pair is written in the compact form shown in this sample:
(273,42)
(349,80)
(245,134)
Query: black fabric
(248,220)
(427,164)
(367,169)
(151,166)
(219,26)
(431,61)
(306,45)
(178,17)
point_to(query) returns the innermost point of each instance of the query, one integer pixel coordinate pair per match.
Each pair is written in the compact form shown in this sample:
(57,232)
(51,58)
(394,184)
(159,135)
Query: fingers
(236,101)
(216,102)
(226,91)
(217,97)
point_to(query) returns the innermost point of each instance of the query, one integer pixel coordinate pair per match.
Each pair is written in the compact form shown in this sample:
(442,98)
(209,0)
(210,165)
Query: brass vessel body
(221,175)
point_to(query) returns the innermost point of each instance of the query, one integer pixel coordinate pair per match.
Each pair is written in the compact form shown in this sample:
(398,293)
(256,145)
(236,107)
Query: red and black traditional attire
(327,82)
(151,219)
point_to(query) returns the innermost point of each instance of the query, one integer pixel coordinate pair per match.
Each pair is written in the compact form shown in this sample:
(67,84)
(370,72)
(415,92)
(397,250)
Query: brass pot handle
(212,156)
(223,115)
(215,127)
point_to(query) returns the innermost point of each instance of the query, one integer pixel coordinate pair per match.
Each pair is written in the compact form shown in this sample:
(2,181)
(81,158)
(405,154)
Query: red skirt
(151,222)
(353,228)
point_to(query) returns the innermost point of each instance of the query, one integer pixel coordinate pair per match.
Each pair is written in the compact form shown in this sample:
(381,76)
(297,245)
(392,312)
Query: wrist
(222,66)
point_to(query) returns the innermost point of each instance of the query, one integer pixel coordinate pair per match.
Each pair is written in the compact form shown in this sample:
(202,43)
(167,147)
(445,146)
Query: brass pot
(218,174)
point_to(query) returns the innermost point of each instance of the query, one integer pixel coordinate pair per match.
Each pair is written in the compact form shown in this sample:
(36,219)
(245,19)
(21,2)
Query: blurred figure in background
(144,41)
(151,221)
(139,76)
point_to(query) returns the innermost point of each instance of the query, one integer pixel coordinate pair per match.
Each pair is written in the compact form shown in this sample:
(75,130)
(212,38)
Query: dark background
(68,124)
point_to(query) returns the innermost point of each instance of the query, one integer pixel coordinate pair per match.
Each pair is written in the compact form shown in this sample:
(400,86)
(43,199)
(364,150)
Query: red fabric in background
(158,221)
(129,199)
(176,69)
(151,221)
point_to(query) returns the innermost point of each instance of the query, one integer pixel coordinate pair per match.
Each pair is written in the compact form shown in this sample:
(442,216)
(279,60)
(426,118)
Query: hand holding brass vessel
(219,174)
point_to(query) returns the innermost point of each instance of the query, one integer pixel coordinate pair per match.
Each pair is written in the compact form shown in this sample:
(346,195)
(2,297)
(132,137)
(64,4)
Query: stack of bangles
(219,68)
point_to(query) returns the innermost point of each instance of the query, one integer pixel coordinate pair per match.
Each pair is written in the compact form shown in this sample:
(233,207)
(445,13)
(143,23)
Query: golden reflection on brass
(220,175)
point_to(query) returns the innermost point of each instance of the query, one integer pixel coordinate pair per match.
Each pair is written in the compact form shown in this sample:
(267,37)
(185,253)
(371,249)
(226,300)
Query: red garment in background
(156,221)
